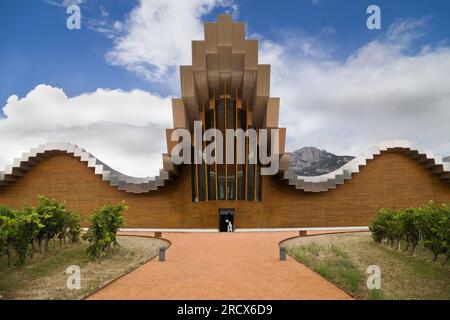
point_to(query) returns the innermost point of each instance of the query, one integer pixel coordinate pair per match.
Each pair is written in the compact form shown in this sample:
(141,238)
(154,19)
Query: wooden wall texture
(391,180)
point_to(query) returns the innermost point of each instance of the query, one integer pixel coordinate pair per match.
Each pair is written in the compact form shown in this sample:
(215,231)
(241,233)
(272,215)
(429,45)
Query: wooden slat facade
(391,180)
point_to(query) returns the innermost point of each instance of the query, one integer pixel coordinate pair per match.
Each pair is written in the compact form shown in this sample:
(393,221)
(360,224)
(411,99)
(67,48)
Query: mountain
(447,159)
(310,161)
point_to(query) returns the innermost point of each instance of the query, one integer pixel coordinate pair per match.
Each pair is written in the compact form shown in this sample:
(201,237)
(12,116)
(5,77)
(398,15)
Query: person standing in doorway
(230,226)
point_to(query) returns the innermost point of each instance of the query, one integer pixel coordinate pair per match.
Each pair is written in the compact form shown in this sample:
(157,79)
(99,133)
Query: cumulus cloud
(126,130)
(156,37)
(387,89)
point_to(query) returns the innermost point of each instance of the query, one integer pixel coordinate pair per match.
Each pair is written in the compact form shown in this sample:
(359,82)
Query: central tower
(226,88)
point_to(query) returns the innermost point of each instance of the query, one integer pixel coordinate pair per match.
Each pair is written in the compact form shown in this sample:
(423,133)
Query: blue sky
(37,48)
(342,86)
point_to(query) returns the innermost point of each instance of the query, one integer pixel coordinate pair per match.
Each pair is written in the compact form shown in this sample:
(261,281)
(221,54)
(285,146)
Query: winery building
(227,88)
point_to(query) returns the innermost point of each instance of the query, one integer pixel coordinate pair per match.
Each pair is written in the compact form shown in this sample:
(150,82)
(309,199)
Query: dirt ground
(223,266)
(45,278)
(403,276)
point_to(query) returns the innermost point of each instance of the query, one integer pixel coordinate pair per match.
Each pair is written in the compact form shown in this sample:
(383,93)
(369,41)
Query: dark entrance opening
(226,216)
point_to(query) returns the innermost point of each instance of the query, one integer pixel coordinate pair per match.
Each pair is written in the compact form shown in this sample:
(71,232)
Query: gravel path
(222,266)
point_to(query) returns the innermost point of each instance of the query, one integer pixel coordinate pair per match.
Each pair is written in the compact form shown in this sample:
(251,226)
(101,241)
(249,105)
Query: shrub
(428,225)
(435,229)
(411,227)
(7,232)
(18,229)
(394,228)
(72,224)
(28,226)
(102,233)
(52,215)
(379,226)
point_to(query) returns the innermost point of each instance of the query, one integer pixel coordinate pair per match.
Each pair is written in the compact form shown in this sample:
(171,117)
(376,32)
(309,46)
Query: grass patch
(375,294)
(344,258)
(331,262)
(44,277)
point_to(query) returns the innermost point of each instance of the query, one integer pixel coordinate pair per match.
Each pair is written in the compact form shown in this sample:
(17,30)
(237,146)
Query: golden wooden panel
(285,160)
(179,114)
(224,30)
(238,37)
(211,45)
(225,59)
(187,82)
(263,81)
(282,140)
(201,82)
(198,55)
(170,144)
(251,55)
(272,113)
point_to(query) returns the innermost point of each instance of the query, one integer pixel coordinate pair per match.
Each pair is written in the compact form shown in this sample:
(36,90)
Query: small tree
(394,229)
(73,227)
(3,236)
(52,215)
(28,225)
(102,233)
(411,227)
(431,230)
(379,226)
(18,229)
(444,230)
(8,229)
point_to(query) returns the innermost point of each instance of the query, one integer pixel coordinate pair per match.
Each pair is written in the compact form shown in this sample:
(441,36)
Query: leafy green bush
(73,227)
(7,232)
(411,227)
(102,233)
(428,225)
(28,226)
(50,220)
(52,215)
(435,229)
(379,226)
(20,229)
(17,230)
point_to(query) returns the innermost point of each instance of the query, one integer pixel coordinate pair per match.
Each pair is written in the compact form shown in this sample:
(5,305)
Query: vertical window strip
(236,165)
(196,170)
(246,153)
(215,142)
(225,142)
(256,165)
(203,150)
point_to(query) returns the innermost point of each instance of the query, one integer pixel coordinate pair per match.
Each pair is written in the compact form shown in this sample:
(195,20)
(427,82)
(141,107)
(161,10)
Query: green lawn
(344,258)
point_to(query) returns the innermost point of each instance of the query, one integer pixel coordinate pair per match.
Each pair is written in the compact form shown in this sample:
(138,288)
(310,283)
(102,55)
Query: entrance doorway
(226,216)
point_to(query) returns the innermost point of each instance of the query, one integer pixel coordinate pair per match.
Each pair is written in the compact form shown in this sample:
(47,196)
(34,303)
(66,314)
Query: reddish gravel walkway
(222,266)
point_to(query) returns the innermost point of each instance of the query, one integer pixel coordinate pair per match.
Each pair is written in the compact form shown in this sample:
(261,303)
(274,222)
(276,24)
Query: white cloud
(126,130)
(156,37)
(384,90)
(64,3)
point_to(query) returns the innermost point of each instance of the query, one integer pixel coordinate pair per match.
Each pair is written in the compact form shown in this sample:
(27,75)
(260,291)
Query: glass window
(230,179)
